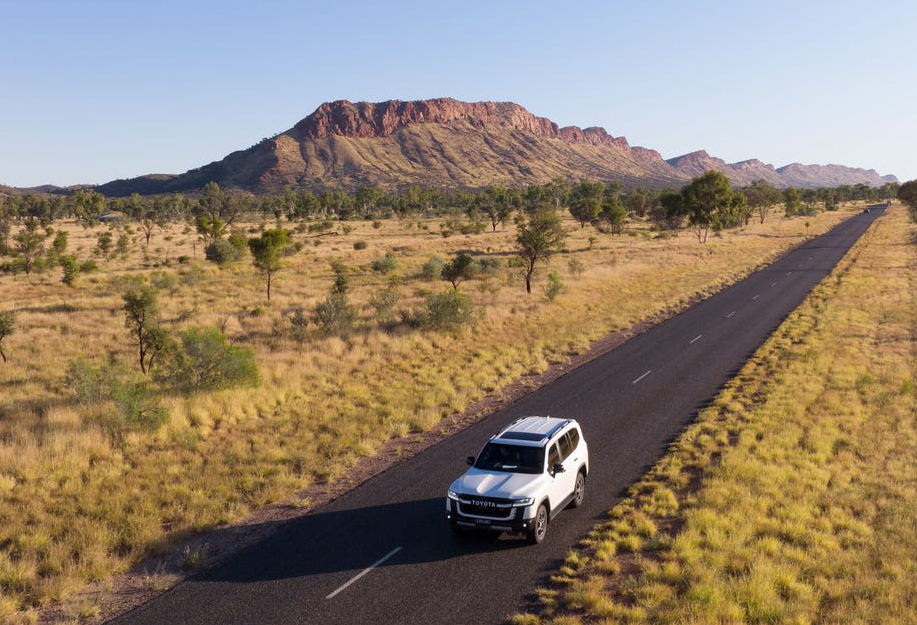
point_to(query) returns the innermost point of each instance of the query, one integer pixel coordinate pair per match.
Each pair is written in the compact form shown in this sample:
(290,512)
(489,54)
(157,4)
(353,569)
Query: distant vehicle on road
(523,477)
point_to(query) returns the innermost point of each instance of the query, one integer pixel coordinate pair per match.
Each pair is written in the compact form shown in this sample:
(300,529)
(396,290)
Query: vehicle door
(557,487)
(567,445)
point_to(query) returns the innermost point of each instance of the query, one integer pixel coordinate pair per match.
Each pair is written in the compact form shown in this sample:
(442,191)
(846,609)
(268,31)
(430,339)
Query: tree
(537,239)
(70,268)
(585,210)
(142,319)
(335,313)
(760,195)
(7,327)
(615,215)
(30,243)
(907,193)
(705,200)
(149,220)
(457,269)
(791,201)
(266,251)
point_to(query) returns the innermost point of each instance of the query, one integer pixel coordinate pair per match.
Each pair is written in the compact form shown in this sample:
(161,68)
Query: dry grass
(792,499)
(78,505)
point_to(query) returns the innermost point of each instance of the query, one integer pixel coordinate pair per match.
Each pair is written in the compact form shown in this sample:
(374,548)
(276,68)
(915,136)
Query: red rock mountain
(446,143)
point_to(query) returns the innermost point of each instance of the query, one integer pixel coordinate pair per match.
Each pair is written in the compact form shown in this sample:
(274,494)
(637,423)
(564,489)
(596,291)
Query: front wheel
(539,527)
(579,491)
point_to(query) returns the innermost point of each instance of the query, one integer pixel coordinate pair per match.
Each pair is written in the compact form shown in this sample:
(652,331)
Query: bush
(489,266)
(448,310)
(432,269)
(384,302)
(554,286)
(335,314)
(222,252)
(321,226)
(576,266)
(90,266)
(459,268)
(71,269)
(298,324)
(135,405)
(386,264)
(359,245)
(377,225)
(239,241)
(204,360)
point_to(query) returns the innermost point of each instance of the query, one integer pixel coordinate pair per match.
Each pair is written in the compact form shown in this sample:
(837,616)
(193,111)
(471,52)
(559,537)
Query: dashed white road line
(365,571)
(696,338)
(756,297)
(642,376)
(773,284)
(789,273)
(730,314)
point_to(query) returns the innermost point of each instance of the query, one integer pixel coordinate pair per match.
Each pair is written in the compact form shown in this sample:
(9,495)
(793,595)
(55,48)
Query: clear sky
(96,90)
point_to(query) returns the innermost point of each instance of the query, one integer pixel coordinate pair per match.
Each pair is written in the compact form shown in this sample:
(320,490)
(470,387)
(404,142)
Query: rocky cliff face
(445,142)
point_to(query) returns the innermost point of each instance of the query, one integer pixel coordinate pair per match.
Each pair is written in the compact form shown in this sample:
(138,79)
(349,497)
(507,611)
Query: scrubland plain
(792,498)
(80,502)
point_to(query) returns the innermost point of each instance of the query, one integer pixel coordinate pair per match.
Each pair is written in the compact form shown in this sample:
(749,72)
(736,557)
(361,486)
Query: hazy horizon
(99,91)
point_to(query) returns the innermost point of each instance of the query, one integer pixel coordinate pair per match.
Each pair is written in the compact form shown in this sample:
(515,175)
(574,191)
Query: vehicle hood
(498,483)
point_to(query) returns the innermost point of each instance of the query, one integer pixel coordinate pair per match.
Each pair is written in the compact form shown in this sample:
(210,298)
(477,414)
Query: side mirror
(558,468)
(470,460)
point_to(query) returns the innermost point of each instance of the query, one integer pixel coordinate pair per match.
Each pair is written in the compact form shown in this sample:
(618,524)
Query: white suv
(522,478)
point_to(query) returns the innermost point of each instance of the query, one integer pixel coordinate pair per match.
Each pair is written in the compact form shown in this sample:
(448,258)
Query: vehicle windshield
(511,458)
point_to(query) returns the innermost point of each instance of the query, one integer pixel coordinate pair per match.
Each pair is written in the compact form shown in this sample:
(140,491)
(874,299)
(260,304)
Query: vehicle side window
(565,447)
(574,438)
(553,457)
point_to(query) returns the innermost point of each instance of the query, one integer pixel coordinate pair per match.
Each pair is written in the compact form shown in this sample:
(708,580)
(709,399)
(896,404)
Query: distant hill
(447,143)
(793,175)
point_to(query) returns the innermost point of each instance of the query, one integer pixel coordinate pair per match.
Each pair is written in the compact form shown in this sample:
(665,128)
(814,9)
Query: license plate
(482,522)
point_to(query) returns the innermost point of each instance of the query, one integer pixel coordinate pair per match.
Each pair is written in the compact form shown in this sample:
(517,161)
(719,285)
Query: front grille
(498,512)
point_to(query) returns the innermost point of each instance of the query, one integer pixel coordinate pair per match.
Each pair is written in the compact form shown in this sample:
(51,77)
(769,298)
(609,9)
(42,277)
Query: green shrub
(386,264)
(335,314)
(377,225)
(432,269)
(71,269)
(359,245)
(135,405)
(489,266)
(554,286)
(321,226)
(89,266)
(202,359)
(576,266)
(222,252)
(298,324)
(239,241)
(383,303)
(448,310)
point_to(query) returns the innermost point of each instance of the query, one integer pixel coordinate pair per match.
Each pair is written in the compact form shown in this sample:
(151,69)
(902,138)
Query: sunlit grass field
(793,498)
(78,504)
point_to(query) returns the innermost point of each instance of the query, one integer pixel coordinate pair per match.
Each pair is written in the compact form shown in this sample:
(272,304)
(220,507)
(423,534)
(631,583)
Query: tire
(579,491)
(536,533)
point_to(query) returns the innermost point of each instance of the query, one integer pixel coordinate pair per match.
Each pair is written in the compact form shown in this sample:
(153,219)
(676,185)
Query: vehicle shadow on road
(351,540)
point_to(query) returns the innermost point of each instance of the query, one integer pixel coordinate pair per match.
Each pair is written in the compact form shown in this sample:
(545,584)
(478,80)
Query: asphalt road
(631,403)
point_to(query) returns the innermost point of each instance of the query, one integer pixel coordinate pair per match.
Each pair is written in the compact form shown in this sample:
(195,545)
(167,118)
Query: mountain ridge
(449,143)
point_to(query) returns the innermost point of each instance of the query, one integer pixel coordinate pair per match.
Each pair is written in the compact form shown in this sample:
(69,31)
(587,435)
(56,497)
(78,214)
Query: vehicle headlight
(452,494)
(523,501)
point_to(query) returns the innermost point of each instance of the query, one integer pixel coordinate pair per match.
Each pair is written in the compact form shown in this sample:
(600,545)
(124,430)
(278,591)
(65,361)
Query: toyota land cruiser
(522,478)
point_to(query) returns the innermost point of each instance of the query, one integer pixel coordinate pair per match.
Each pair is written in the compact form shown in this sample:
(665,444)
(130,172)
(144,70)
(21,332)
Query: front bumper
(506,519)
